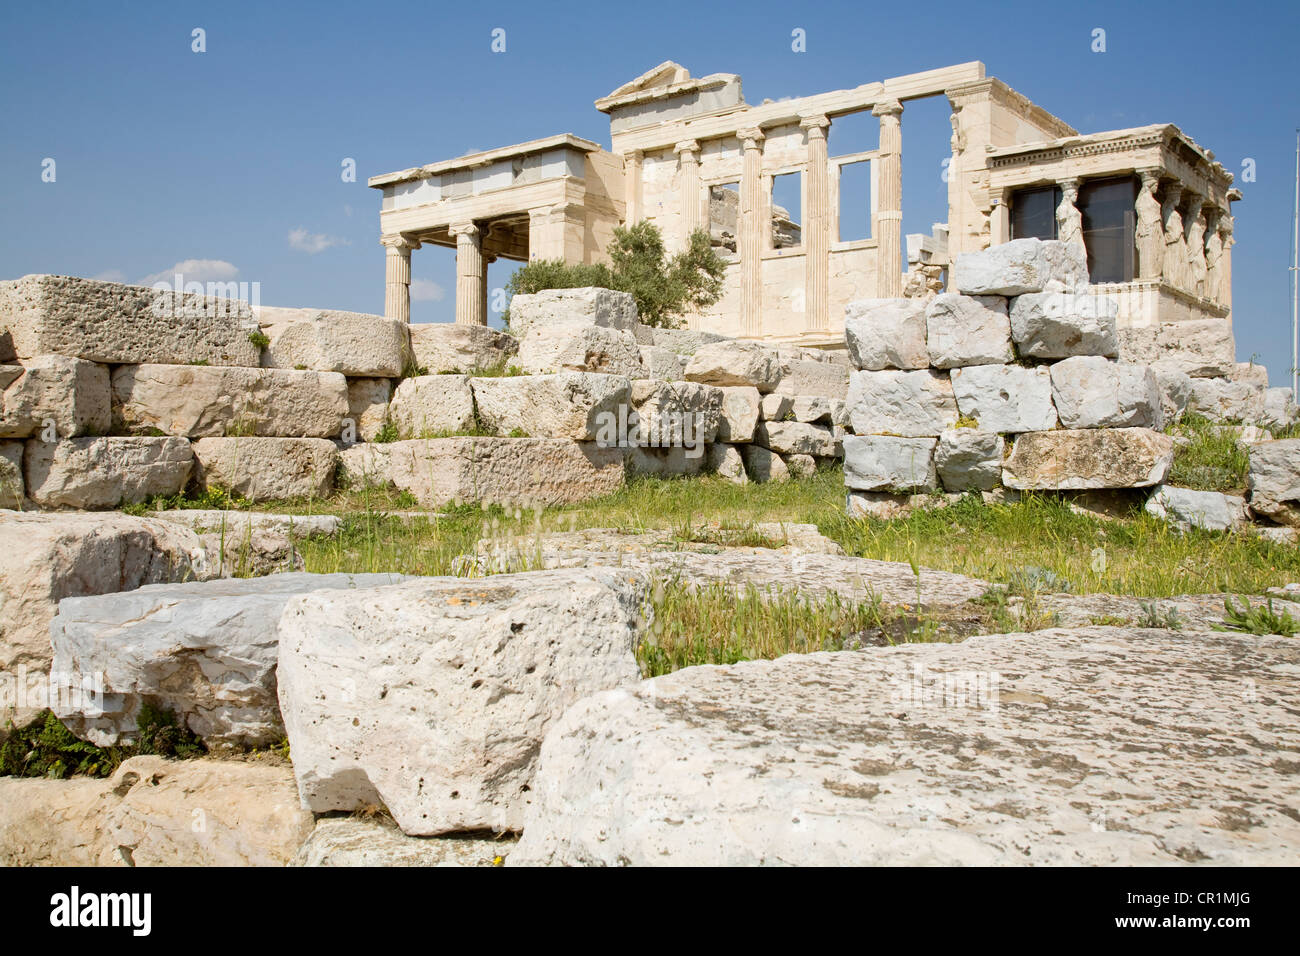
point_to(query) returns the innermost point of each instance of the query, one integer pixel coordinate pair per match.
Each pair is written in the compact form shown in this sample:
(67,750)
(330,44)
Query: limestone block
(71,393)
(686,342)
(1020,266)
(762,464)
(1223,400)
(356,841)
(726,461)
(1186,508)
(667,462)
(1088,458)
(431,405)
(1274,480)
(510,471)
(440,348)
(587,306)
(433,697)
(205,650)
(810,377)
(105,472)
(741,407)
(353,343)
(673,413)
(364,465)
(889,463)
(1250,373)
(1175,392)
(1005,398)
(801,466)
(47,557)
(122,324)
(1279,408)
(824,770)
(1053,325)
(545,349)
(12,487)
(969,460)
(735,363)
(910,404)
(565,405)
(776,407)
(267,469)
(198,401)
(796,438)
(1201,348)
(240,523)
(663,364)
(968,330)
(368,400)
(886,333)
(815,409)
(1092,392)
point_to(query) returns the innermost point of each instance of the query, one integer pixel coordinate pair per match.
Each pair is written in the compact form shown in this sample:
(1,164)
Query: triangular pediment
(665,74)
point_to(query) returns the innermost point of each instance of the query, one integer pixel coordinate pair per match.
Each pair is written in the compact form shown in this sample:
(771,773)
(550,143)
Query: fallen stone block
(354,841)
(206,651)
(431,406)
(196,401)
(546,349)
(669,413)
(686,342)
(889,463)
(441,348)
(353,343)
(1020,266)
(368,400)
(1052,325)
(68,393)
(1201,348)
(568,307)
(266,469)
(886,333)
(513,471)
(1093,392)
(1069,459)
(741,408)
(969,460)
(968,330)
(13,489)
(238,523)
(776,408)
(1186,508)
(796,438)
(566,405)
(726,462)
(1005,398)
(932,754)
(662,364)
(763,464)
(432,697)
(800,466)
(1274,480)
(1279,408)
(1223,400)
(910,404)
(93,473)
(808,377)
(735,363)
(1175,392)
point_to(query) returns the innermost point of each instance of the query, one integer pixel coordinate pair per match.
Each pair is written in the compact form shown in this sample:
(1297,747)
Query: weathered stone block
(368,400)
(1201,348)
(968,330)
(1020,266)
(775,407)
(1186,508)
(1274,480)
(667,462)
(741,407)
(671,413)
(763,464)
(889,463)
(364,465)
(105,472)
(886,333)
(663,364)
(429,405)
(545,349)
(815,409)
(1053,325)
(735,363)
(796,438)
(12,487)
(801,466)
(587,306)
(565,405)
(267,469)
(1223,400)
(70,392)
(1088,458)
(686,341)
(1175,392)
(1005,398)
(444,347)
(1092,392)
(811,377)
(969,460)
(352,343)
(1279,408)
(726,461)
(910,404)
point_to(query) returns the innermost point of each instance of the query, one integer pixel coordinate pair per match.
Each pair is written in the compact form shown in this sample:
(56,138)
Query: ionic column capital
(751,137)
(887,108)
(399,242)
(467,229)
(816,124)
(690,146)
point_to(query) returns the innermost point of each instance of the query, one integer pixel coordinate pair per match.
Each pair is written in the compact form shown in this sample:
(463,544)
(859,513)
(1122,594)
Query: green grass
(1211,461)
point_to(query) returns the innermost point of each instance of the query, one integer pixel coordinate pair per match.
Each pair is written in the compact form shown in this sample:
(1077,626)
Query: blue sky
(232,156)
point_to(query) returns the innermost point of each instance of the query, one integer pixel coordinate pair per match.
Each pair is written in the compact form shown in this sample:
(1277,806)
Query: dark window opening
(1033,212)
(1107,207)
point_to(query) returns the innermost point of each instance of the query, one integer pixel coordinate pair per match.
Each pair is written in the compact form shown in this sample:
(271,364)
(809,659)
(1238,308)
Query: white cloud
(111,275)
(195,270)
(426,290)
(313,242)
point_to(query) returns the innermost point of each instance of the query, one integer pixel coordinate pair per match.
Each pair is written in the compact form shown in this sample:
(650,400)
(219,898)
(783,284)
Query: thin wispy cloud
(426,290)
(195,270)
(313,242)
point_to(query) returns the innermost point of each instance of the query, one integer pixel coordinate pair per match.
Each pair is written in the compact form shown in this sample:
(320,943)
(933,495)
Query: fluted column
(889,201)
(1224,291)
(632,185)
(397,276)
(688,158)
(817,228)
(751,236)
(471,281)
(1150,230)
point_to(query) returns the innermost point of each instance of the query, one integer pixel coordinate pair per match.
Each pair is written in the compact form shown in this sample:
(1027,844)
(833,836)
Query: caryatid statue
(1223,228)
(1196,271)
(1174,264)
(1069,222)
(1213,252)
(1150,230)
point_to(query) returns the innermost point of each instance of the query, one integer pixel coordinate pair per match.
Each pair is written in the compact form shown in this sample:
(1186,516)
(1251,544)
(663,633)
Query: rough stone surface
(1005,398)
(1201,348)
(429,404)
(1279,408)
(352,841)
(741,407)
(122,324)
(586,306)
(515,471)
(1274,480)
(815,409)
(1175,392)
(1197,509)
(368,400)
(735,363)
(673,413)
(445,347)
(565,405)
(797,438)
(47,557)
(545,349)
(801,466)
(667,462)
(813,377)
(886,333)
(910,404)
(1020,266)
(364,465)
(1053,325)
(12,487)
(969,460)
(1092,392)
(775,407)
(353,343)
(238,523)
(726,461)
(686,341)
(968,330)
(663,364)
(433,697)
(267,469)
(1223,400)
(196,401)
(1101,746)
(1088,458)
(889,463)
(71,393)
(762,464)
(105,472)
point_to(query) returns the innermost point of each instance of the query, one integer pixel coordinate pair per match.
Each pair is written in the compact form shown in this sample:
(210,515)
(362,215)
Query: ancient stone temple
(1152,208)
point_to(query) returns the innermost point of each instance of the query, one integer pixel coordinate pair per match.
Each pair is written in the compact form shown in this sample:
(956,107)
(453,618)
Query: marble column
(751,233)
(1069,222)
(1224,290)
(817,227)
(632,186)
(397,276)
(471,279)
(688,159)
(1150,230)
(889,201)
(1195,224)
(1174,264)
